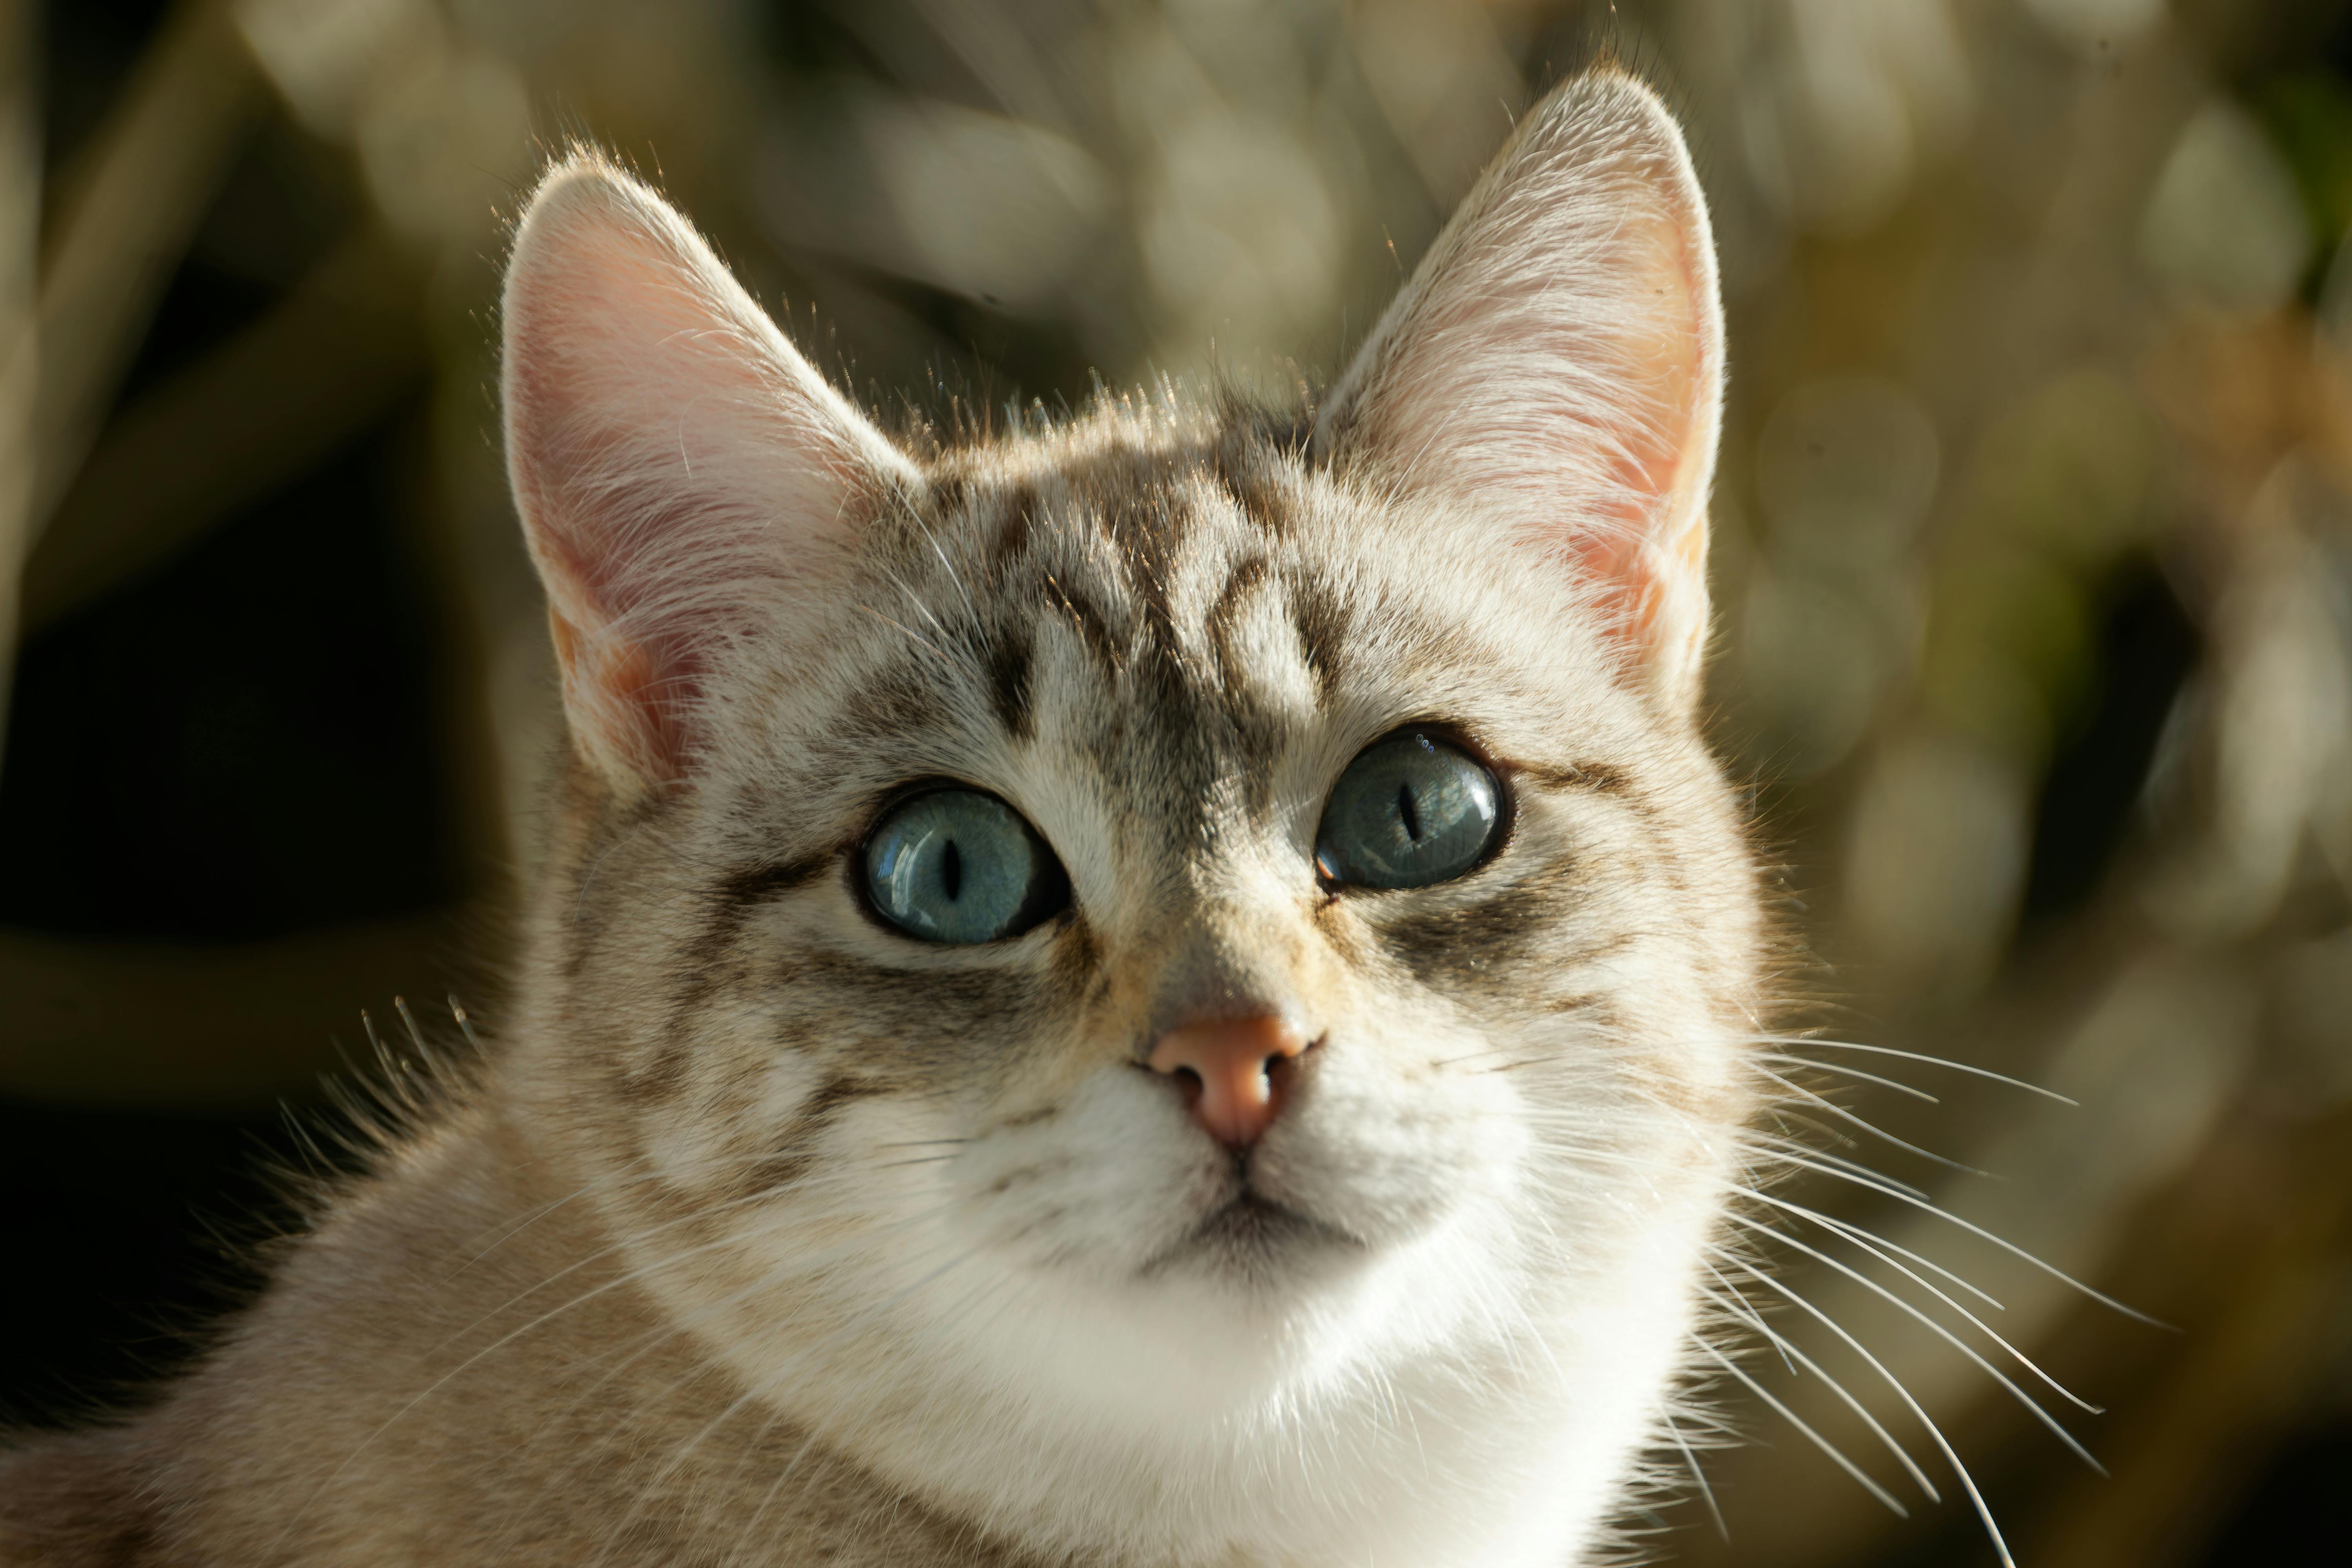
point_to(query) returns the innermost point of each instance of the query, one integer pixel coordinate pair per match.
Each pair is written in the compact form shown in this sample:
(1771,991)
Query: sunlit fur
(772,1235)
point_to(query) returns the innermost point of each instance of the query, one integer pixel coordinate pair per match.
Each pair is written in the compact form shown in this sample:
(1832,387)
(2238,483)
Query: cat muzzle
(1234,1072)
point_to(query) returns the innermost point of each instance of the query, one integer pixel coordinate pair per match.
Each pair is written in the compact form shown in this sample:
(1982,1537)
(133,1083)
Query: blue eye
(961,867)
(1410,810)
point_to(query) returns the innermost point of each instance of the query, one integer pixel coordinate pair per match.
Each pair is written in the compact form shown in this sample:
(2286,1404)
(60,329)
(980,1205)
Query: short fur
(771,1236)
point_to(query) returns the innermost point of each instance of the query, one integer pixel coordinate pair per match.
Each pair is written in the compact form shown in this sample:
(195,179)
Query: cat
(1169,987)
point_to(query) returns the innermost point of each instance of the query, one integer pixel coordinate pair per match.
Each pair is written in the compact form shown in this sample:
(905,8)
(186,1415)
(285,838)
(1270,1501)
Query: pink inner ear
(618,677)
(1556,359)
(684,477)
(632,678)
(610,553)
(1656,557)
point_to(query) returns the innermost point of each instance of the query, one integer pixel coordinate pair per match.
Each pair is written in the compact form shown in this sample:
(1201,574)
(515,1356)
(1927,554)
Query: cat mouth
(1255,1238)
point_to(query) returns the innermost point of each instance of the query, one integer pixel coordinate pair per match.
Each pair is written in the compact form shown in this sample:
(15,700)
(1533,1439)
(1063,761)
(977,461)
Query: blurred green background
(2033,564)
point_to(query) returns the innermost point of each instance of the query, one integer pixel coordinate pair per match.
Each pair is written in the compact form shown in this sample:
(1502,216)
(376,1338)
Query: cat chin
(1260,1306)
(1260,1247)
(1107,1423)
(1013,1382)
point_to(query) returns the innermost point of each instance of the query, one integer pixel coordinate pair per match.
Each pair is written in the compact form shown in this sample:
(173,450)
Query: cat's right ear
(1556,362)
(684,476)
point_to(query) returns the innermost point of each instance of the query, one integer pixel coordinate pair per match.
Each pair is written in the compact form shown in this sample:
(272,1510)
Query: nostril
(1233,1072)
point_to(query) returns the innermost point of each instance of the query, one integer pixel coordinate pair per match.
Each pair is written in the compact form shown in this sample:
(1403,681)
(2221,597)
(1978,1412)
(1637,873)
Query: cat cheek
(1390,1154)
(1113,1178)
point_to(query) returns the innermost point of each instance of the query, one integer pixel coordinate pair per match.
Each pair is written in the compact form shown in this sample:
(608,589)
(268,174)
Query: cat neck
(458,1356)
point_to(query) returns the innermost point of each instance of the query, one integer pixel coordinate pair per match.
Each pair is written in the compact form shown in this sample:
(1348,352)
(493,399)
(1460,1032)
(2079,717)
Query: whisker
(1784,1148)
(647,1487)
(2031,1405)
(1869,1244)
(1934,1433)
(1885,1184)
(1706,1492)
(1788,1348)
(1847,1116)
(1854,1232)
(1918,1056)
(1793,1419)
(1843,1071)
(1745,1312)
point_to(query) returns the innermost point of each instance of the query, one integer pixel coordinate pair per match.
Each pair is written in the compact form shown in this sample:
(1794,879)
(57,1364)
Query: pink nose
(1234,1071)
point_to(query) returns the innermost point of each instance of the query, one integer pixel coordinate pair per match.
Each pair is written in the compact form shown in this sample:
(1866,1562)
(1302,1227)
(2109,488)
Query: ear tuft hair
(684,476)
(1558,356)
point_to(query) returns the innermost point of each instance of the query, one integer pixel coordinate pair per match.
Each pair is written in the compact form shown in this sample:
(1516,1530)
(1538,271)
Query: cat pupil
(1409,811)
(957,866)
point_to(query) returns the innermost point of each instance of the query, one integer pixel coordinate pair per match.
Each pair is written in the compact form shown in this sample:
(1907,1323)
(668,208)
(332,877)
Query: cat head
(1143,930)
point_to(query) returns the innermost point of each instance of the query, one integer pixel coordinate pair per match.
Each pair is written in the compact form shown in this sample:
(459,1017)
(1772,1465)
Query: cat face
(1123,931)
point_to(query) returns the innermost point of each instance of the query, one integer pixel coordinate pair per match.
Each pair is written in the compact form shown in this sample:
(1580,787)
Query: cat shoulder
(80,1500)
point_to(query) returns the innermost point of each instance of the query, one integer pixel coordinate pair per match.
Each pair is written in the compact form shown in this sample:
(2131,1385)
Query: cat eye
(1411,810)
(957,866)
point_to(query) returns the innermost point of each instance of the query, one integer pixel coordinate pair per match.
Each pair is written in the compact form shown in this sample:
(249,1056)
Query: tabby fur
(762,1234)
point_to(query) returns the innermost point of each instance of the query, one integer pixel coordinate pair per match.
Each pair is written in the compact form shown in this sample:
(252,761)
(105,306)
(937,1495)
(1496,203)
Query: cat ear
(1559,357)
(684,476)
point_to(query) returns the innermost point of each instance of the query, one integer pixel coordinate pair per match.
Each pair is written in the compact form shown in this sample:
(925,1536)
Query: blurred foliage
(2034,566)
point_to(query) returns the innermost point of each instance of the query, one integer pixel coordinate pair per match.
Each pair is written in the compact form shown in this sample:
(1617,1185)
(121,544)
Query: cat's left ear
(1558,358)
(686,479)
